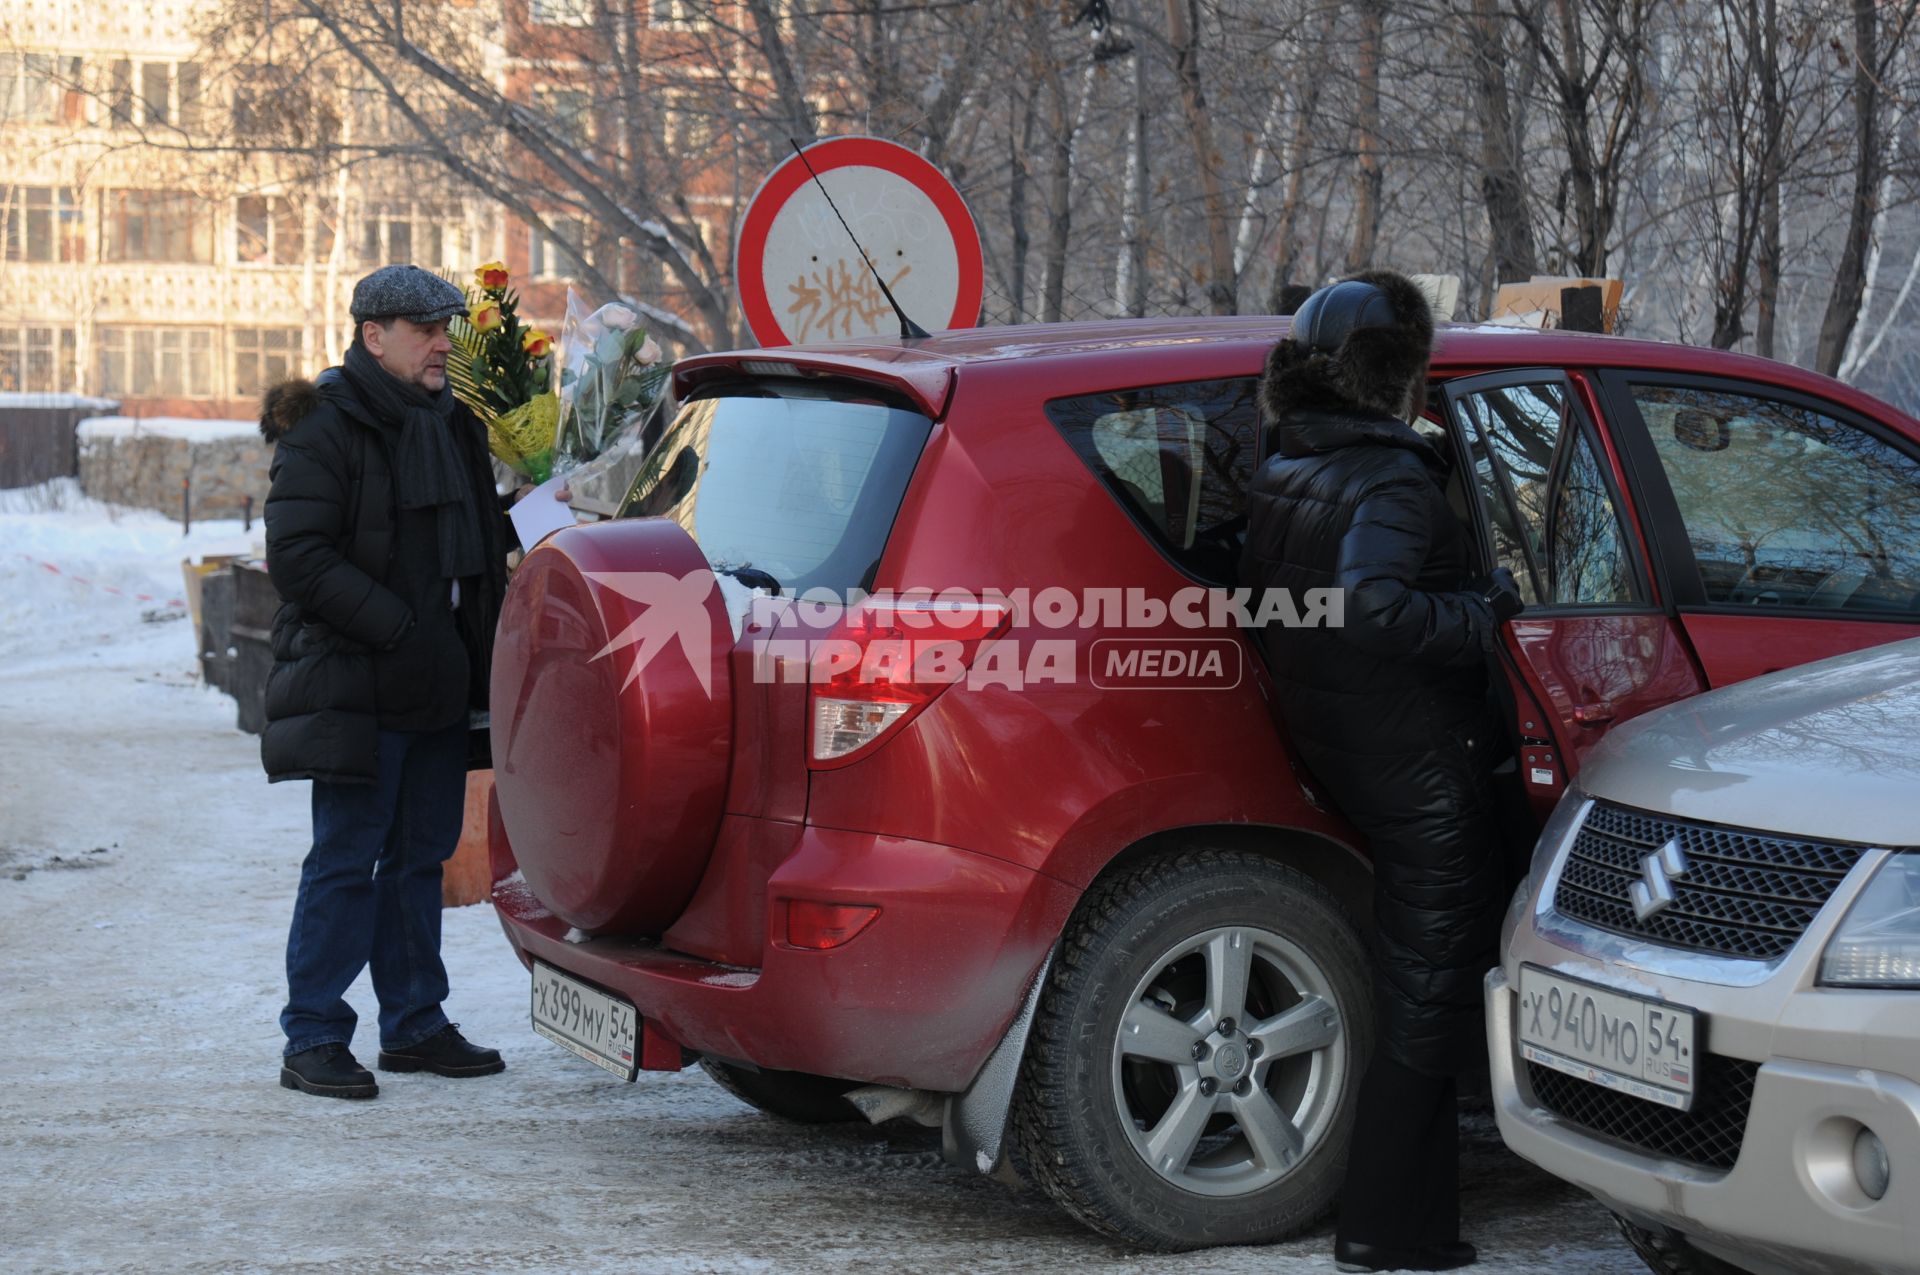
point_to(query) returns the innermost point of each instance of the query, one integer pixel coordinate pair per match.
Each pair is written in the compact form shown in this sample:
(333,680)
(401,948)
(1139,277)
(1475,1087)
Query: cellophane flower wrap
(503,370)
(611,374)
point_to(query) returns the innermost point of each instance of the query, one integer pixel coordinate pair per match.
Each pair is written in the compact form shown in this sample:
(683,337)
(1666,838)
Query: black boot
(445,1053)
(1349,1256)
(328,1070)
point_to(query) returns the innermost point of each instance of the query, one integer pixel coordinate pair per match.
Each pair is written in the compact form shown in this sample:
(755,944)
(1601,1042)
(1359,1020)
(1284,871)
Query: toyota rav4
(900,748)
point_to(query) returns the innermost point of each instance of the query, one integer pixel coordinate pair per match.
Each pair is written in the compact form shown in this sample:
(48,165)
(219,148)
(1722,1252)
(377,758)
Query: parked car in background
(1708,1012)
(1098,922)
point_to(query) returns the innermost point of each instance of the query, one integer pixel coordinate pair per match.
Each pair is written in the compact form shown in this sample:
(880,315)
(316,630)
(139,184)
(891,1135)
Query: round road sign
(802,279)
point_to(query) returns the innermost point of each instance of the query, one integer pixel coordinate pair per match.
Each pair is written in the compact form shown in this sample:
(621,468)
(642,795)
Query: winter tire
(791,1095)
(1194,1062)
(1668,1253)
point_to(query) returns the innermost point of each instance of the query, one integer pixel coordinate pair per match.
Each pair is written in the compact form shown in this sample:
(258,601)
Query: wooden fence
(37,442)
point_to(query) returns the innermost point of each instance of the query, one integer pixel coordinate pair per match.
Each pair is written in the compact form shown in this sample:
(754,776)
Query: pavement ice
(146,873)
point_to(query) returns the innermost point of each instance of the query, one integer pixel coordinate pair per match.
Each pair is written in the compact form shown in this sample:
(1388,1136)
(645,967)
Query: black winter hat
(1361,343)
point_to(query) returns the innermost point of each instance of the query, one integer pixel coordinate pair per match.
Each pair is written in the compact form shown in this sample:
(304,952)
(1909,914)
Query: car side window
(1177,457)
(1786,506)
(1547,501)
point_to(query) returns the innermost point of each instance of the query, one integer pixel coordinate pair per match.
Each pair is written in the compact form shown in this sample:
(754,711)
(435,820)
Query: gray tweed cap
(405,292)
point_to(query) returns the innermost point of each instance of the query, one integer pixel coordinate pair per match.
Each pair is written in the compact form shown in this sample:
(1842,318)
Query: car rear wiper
(751,576)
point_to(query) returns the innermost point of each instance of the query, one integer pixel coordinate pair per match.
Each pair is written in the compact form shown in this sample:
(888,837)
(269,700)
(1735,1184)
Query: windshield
(787,493)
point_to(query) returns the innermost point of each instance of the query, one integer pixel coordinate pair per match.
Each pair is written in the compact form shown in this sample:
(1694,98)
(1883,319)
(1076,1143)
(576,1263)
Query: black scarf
(429,471)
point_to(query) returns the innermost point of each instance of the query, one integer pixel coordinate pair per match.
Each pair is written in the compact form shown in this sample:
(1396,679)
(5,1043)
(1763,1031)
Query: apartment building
(141,263)
(144,259)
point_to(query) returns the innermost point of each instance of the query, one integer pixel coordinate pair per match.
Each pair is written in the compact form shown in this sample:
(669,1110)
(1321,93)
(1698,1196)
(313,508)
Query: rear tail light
(885,661)
(821,926)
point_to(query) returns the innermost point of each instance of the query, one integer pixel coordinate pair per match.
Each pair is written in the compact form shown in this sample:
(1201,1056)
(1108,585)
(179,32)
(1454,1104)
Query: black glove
(1501,592)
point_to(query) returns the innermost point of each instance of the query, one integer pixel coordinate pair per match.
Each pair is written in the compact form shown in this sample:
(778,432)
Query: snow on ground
(146,873)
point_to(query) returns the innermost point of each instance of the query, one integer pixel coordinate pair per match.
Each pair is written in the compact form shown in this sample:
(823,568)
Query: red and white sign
(802,279)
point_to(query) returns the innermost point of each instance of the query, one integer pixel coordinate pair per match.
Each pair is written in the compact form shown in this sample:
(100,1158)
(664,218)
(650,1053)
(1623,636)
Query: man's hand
(1502,593)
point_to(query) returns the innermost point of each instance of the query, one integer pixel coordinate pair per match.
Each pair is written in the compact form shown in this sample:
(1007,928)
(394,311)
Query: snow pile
(98,428)
(72,572)
(56,402)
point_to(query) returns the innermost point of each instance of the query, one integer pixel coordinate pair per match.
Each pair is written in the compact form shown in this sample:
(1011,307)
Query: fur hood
(290,402)
(1376,369)
(286,405)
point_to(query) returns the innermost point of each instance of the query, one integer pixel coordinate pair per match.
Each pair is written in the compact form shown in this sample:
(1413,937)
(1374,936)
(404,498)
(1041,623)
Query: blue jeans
(370,894)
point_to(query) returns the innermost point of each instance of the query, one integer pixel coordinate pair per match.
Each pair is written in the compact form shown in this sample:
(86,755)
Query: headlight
(1878,944)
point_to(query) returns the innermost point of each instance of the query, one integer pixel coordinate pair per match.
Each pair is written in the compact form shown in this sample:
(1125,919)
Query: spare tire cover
(612,721)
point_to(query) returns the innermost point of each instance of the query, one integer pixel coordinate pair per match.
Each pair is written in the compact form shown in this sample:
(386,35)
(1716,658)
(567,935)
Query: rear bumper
(918,999)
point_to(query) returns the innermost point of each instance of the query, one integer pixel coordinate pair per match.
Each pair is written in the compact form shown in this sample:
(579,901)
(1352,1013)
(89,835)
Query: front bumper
(1831,1061)
(918,999)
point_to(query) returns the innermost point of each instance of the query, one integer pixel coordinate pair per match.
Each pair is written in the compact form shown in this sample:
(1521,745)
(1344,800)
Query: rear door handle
(1593,714)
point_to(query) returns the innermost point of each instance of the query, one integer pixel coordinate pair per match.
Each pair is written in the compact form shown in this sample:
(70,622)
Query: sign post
(802,279)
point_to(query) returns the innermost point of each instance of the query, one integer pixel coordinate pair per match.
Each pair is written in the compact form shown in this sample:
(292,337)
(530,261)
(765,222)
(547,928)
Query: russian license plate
(1632,1044)
(600,1028)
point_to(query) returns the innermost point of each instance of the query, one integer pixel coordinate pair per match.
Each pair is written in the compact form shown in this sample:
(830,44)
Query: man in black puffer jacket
(386,543)
(1390,712)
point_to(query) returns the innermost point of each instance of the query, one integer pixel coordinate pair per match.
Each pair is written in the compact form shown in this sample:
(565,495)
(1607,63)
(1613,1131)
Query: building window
(149,94)
(43,224)
(156,91)
(673,13)
(556,255)
(186,79)
(37,88)
(568,112)
(263,357)
(120,94)
(266,230)
(156,225)
(689,129)
(37,360)
(156,362)
(427,235)
(561,13)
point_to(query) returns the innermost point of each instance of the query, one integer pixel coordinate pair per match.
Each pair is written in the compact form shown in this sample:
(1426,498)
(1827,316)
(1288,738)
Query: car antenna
(909,330)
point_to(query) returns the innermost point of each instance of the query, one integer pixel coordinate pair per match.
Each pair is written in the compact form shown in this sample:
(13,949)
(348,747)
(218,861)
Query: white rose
(616,316)
(649,351)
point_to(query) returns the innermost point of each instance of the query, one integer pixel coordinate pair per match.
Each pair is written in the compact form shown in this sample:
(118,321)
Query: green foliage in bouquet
(503,370)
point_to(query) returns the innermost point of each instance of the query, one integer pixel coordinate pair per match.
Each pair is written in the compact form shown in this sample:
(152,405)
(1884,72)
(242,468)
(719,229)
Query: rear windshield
(786,493)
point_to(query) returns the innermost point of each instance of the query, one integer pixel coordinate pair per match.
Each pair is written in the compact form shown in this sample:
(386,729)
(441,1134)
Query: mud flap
(974,1132)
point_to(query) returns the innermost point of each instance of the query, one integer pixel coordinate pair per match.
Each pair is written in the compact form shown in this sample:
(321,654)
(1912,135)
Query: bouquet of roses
(611,374)
(503,370)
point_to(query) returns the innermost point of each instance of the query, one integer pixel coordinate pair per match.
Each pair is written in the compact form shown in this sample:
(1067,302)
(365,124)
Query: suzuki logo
(1653,892)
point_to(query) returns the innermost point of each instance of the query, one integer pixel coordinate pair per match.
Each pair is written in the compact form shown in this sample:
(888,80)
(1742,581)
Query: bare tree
(1871,57)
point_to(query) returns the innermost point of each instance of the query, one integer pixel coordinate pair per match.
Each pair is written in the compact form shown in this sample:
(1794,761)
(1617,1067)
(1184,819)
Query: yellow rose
(492,276)
(536,343)
(485,317)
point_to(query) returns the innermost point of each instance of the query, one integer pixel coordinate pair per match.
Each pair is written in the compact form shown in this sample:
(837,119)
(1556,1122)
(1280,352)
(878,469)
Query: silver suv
(1708,1011)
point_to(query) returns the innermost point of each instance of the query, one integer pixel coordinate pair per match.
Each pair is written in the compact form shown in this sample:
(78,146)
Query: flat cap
(405,292)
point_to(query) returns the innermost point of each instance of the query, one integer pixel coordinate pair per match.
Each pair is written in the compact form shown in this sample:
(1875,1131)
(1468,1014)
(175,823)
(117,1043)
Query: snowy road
(146,872)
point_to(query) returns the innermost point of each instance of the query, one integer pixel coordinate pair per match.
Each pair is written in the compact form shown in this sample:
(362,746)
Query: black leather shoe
(328,1070)
(445,1053)
(1350,1256)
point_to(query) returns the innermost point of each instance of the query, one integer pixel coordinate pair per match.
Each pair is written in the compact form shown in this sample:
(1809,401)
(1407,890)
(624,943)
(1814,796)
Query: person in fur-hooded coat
(1390,712)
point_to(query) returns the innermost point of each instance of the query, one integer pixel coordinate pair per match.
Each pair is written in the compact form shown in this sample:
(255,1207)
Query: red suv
(1062,888)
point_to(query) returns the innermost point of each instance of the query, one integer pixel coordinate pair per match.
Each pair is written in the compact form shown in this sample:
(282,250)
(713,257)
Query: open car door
(1541,488)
